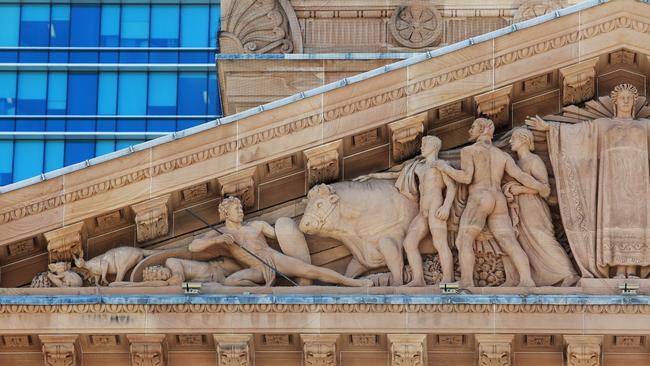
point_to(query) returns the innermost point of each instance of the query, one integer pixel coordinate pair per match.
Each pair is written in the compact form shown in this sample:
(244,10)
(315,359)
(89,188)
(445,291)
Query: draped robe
(602,178)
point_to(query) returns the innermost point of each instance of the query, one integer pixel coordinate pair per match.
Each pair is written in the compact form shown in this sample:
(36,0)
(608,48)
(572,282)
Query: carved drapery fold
(320,349)
(323,163)
(60,350)
(241,185)
(408,349)
(406,137)
(259,26)
(152,218)
(147,349)
(495,349)
(579,82)
(234,349)
(66,243)
(583,350)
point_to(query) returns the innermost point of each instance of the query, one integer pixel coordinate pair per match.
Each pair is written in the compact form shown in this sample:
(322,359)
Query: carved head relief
(231,209)
(522,137)
(58,267)
(322,200)
(481,127)
(624,97)
(430,145)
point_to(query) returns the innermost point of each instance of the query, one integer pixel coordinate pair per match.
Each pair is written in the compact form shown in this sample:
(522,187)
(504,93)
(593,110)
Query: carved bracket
(408,349)
(60,350)
(66,243)
(495,349)
(320,349)
(323,163)
(147,349)
(241,185)
(579,82)
(406,136)
(152,218)
(495,105)
(583,350)
(234,349)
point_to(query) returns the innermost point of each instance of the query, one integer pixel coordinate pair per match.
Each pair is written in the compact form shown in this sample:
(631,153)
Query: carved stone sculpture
(416,25)
(60,275)
(408,349)
(147,349)
(152,218)
(319,349)
(237,235)
(234,349)
(179,270)
(602,175)
(550,264)
(66,243)
(355,213)
(482,168)
(436,195)
(494,349)
(323,163)
(115,261)
(60,350)
(534,8)
(583,350)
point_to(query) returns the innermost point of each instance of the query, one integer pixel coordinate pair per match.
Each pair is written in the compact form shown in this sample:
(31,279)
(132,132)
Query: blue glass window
(132,100)
(28,159)
(35,25)
(104,147)
(192,93)
(57,88)
(7,92)
(110,29)
(162,93)
(107,100)
(6,163)
(215,18)
(164,26)
(32,89)
(54,150)
(76,151)
(9,18)
(85,25)
(82,94)
(135,26)
(60,27)
(214,102)
(195,21)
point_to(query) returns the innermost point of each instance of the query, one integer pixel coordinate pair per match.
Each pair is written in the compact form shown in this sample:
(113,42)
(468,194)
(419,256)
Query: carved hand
(362,178)
(537,123)
(442,213)
(228,239)
(441,165)
(545,191)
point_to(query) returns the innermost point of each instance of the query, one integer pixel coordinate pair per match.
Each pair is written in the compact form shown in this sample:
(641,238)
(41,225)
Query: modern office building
(81,79)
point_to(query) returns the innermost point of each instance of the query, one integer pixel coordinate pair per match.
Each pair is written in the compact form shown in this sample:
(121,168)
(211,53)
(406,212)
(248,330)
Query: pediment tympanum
(535,71)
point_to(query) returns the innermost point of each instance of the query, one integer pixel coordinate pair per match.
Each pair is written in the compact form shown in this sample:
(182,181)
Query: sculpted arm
(514,171)
(451,191)
(208,240)
(266,228)
(465,173)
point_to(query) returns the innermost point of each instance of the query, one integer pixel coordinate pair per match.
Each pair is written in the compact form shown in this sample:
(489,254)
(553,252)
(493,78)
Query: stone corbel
(323,163)
(147,349)
(66,243)
(152,218)
(495,349)
(495,105)
(583,350)
(241,185)
(406,136)
(60,350)
(234,349)
(408,349)
(320,349)
(579,82)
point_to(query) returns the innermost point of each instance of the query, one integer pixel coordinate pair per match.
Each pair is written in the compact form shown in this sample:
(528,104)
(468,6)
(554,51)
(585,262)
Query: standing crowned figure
(603,183)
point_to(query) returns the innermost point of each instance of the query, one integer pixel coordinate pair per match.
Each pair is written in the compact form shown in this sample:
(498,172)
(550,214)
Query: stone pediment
(268,156)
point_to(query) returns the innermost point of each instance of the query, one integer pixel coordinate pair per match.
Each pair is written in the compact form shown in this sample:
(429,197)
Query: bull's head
(322,201)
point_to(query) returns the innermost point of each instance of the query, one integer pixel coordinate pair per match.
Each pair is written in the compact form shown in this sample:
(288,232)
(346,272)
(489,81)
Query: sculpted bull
(370,218)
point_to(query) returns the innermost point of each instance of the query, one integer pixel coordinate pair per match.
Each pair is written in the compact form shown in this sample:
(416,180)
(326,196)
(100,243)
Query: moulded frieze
(495,349)
(408,349)
(234,349)
(406,136)
(583,350)
(323,163)
(66,243)
(579,82)
(60,350)
(152,218)
(320,349)
(147,349)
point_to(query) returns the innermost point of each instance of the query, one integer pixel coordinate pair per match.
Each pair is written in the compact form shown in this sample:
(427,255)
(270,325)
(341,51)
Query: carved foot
(466,283)
(364,282)
(415,283)
(526,283)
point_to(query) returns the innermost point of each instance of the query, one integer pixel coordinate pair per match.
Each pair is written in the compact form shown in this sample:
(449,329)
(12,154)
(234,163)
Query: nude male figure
(437,192)
(482,168)
(252,237)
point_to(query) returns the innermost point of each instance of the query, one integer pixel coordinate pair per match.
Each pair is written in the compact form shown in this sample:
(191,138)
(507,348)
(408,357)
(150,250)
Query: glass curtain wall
(79,80)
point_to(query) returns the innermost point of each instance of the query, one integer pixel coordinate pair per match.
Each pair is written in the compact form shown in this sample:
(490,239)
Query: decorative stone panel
(583,350)
(495,105)
(152,218)
(234,349)
(495,349)
(66,243)
(579,82)
(241,185)
(323,163)
(406,136)
(408,349)
(320,349)
(534,8)
(416,25)
(60,350)
(147,349)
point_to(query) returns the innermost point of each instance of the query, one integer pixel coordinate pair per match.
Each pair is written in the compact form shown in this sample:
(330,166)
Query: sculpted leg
(245,277)
(416,232)
(104,267)
(439,236)
(501,228)
(471,224)
(297,268)
(355,269)
(394,260)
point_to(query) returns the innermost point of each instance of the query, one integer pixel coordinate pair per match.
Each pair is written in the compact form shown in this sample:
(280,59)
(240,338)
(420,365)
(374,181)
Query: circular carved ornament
(416,25)
(533,9)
